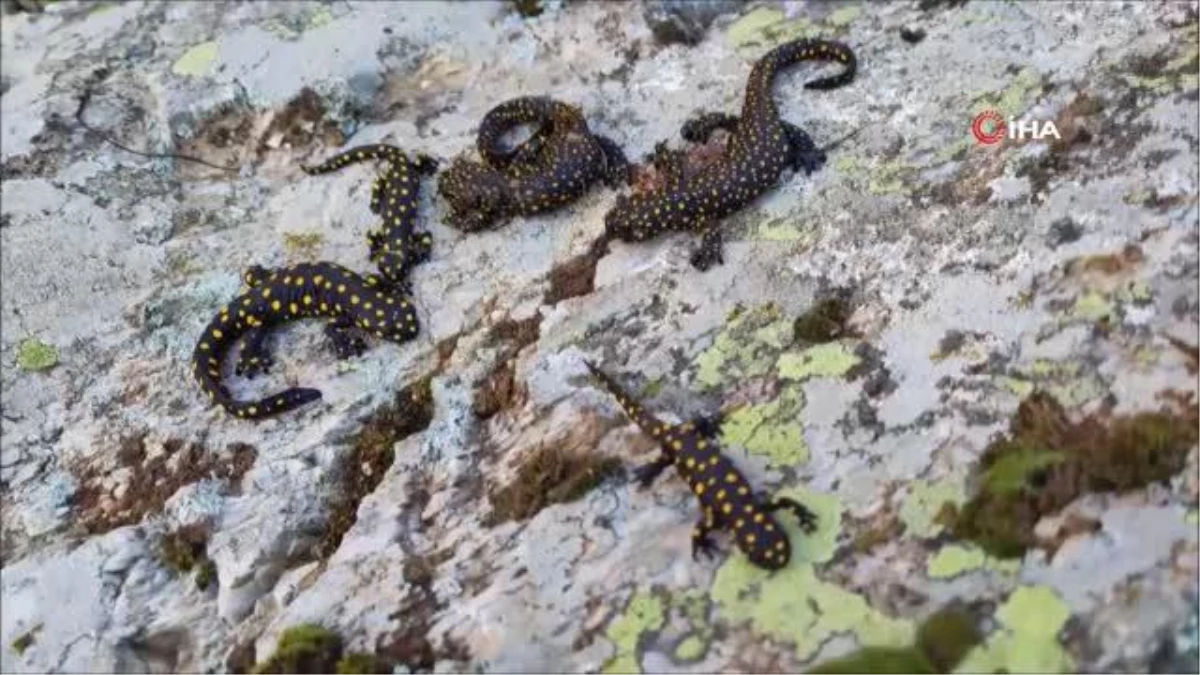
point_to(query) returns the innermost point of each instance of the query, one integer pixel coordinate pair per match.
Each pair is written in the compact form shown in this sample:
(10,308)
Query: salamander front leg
(646,473)
(806,156)
(808,519)
(255,357)
(700,127)
(708,426)
(709,251)
(346,339)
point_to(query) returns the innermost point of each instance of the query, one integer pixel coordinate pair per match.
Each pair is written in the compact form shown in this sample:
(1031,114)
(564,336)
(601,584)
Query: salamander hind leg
(806,156)
(808,519)
(709,252)
(346,339)
(255,357)
(700,127)
(702,544)
(708,426)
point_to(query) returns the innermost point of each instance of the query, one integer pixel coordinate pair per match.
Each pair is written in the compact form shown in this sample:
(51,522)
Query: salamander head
(477,195)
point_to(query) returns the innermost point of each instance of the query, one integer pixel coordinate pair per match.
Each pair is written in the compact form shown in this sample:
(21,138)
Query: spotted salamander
(726,500)
(556,166)
(761,146)
(355,304)
(398,246)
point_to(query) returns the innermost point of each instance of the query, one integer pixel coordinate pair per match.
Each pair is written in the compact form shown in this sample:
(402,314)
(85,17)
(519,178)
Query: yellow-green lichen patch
(1068,381)
(34,355)
(942,641)
(1192,517)
(1013,100)
(767,27)
(889,178)
(827,360)
(745,347)
(925,501)
(844,16)
(955,559)
(197,61)
(694,606)
(779,231)
(793,604)
(1047,460)
(644,613)
(1027,641)
(306,648)
(770,429)
(321,16)
(302,243)
(1092,306)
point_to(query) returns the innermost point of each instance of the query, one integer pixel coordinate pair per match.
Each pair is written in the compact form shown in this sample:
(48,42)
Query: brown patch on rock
(100,507)
(497,392)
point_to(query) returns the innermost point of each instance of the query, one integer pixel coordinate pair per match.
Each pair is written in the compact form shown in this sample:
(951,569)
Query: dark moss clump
(372,456)
(825,321)
(307,648)
(1046,461)
(184,550)
(528,8)
(25,640)
(551,476)
(942,641)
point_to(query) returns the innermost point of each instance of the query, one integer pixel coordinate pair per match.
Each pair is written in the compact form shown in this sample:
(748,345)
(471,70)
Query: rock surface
(976,274)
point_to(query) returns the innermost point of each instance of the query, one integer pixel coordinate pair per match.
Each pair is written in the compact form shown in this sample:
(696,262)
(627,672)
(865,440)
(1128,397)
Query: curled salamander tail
(815,50)
(361,153)
(206,368)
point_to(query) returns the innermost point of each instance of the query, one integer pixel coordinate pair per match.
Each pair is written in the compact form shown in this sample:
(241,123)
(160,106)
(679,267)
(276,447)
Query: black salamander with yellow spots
(556,166)
(398,246)
(760,148)
(726,500)
(357,306)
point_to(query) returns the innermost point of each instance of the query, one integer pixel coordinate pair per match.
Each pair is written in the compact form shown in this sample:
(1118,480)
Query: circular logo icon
(989,127)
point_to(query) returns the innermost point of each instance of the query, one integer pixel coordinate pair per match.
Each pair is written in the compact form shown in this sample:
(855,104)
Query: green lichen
(765,26)
(745,347)
(1016,385)
(844,16)
(34,355)
(1013,100)
(955,559)
(792,604)
(321,16)
(925,500)
(889,178)
(779,231)
(1092,306)
(692,648)
(1068,381)
(826,360)
(942,641)
(1027,641)
(770,429)
(643,614)
(302,242)
(694,606)
(1192,517)
(197,61)
(1047,460)
(652,389)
